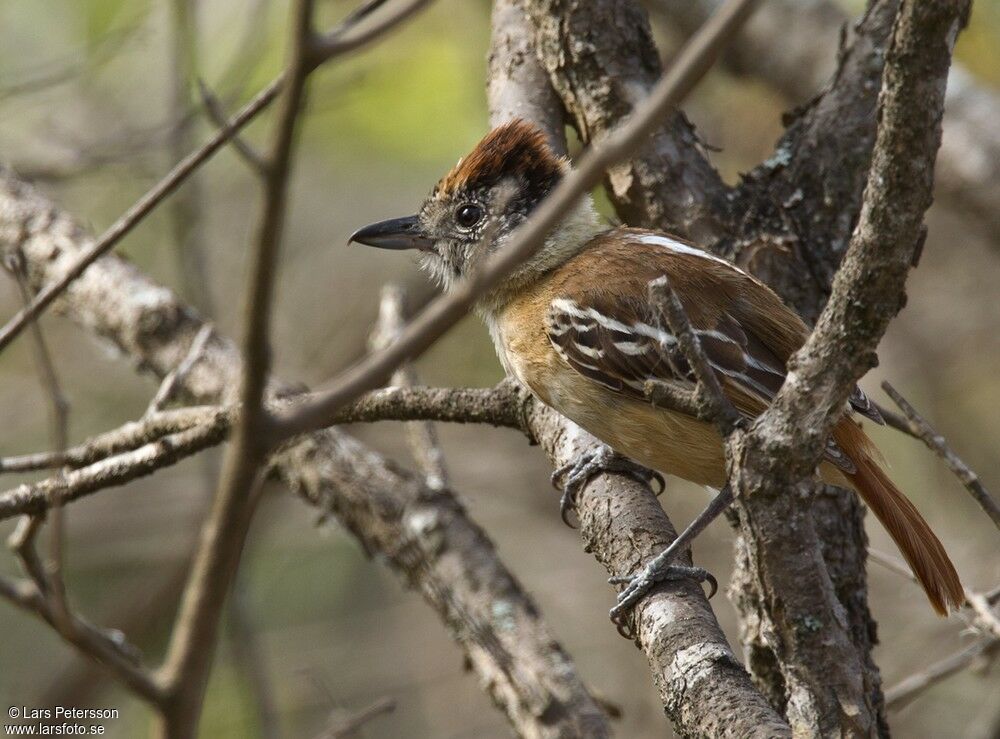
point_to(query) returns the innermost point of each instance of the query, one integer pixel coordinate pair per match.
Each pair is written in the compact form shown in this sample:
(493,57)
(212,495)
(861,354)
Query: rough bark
(517,86)
(601,60)
(801,618)
(800,206)
(704,689)
(424,534)
(793,46)
(757,233)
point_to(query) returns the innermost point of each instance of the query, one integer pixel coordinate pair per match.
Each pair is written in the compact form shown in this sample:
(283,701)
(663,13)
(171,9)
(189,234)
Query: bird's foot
(659,569)
(577,474)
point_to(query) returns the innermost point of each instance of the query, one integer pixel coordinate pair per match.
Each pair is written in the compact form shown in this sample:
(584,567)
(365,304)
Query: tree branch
(446,310)
(452,563)
(793,47)
(936,443)
(602,62)
(785,443)
(188,662)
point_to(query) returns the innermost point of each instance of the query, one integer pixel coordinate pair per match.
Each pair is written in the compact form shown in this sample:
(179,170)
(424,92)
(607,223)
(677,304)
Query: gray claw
(638,586)
(577,474)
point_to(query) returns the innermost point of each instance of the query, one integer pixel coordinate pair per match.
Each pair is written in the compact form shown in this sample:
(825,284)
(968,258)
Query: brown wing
(619,345)
(608,333)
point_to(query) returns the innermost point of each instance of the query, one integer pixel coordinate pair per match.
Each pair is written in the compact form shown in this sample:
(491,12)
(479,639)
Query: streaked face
(474,208)
(464,226)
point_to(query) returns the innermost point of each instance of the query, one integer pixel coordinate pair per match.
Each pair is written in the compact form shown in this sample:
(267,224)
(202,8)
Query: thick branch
(517,85)
(601,60)
(447,563)
(445,311)
(703,688)
(800,206)
(793,47)
(820,667)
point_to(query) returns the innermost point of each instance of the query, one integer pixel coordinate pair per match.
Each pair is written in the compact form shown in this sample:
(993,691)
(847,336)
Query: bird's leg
(577,474)
(660,568)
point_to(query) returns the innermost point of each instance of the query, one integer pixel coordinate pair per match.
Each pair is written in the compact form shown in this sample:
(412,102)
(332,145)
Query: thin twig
(984,618)
(139,448)
(352,32)
(168,388)
(336,43)
(902,693)
(138,211)
(372,371)
(343,726)
(125,438)
(49,578)
(35,498)
(936,443)
(424,444)
(107,647)
(213,106)
(195,632)
(188,204)
(708,399)
(94,56)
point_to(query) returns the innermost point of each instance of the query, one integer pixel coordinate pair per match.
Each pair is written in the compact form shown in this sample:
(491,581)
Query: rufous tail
(920,547)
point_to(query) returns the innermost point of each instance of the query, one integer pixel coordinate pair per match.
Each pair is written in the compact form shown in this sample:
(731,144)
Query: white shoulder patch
(679,247)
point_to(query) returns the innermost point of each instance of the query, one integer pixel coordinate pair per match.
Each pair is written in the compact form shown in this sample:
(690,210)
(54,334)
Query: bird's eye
(468,215)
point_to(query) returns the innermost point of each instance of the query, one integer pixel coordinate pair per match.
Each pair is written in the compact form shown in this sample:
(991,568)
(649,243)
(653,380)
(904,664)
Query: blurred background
(91,109)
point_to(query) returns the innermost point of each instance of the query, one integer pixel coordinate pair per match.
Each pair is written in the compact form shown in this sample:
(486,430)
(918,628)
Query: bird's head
(475,208)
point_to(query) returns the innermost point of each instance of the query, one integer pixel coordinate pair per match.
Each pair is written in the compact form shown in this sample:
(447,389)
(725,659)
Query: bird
(574,325)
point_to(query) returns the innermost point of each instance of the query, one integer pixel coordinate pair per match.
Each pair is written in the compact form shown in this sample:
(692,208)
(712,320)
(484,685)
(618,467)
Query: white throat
(574,233)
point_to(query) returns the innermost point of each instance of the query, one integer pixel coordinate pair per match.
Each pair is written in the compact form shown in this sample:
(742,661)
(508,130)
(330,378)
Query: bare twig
(188,204)
(192,643)
(902,693)
(424,444)
(342,726)
(142,208)
(353,32)
(983,619)
(139,448)
(34,498)
(936,443)
(708,399)
(125,438)
(108,648)
(372,371)
(340,41)
(49,578)
(168,388)
(213,106)
(96,55)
